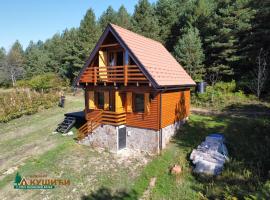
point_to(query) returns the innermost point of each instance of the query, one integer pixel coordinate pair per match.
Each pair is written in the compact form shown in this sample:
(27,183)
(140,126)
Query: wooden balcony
(123,74)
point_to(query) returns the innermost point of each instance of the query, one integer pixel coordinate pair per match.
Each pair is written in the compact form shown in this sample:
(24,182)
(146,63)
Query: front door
(100,100)
(122,135)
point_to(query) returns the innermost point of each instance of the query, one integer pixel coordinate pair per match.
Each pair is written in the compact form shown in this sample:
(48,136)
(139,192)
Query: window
(100,98)
(139,102)
(111,59)
(119,58)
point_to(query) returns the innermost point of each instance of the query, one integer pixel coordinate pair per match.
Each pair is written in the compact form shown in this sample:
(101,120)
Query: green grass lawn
(245,176)
(28,144)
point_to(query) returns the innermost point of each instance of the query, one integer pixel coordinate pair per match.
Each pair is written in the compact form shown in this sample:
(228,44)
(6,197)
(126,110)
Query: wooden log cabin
(136,93)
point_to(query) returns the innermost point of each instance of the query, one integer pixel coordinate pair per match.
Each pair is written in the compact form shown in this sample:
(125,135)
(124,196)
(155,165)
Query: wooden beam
(125,75)
(95,75)
(110,45)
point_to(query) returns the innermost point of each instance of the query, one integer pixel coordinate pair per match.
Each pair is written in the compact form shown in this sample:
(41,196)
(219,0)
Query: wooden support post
(95,75)
(125,75)
(126,67)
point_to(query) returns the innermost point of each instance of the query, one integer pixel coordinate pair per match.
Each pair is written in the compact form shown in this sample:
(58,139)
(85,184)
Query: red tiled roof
(155,58)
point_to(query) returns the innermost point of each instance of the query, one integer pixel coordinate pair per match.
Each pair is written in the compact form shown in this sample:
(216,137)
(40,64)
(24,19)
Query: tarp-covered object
(210,155)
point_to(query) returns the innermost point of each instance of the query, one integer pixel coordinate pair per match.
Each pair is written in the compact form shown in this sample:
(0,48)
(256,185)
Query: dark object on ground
(62,101)
(201,86)
(66,125)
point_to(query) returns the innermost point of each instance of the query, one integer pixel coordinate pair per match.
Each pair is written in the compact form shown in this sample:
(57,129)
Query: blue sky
(35,20)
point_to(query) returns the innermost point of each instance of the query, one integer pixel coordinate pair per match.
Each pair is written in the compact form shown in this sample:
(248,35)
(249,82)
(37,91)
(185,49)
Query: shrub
(44,82)
(220,95)
(24,102)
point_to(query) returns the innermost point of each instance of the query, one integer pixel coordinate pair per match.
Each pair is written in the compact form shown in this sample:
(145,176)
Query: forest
(214,40)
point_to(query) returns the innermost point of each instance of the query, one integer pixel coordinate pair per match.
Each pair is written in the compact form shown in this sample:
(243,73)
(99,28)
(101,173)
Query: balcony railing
(113,118)
(98,117)
(124,74)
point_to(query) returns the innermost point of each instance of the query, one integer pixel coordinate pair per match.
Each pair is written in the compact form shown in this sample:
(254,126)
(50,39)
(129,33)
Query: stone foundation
(106,136)
(169,131)
(142,139)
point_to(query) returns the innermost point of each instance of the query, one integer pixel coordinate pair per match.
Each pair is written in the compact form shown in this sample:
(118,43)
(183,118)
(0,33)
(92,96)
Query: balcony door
(115,58)
(100,100)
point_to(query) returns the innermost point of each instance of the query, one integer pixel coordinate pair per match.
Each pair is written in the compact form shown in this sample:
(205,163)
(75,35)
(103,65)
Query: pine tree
(258,37)
(71,59)
(188,51)
(88,34)
(225,30)
(36,59)
(167,12)
(123,18)
(144,20)
(109,16)
(54,49)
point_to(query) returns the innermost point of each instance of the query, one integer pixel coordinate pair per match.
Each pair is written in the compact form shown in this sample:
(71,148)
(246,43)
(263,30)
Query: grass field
(29,147)
(245,176)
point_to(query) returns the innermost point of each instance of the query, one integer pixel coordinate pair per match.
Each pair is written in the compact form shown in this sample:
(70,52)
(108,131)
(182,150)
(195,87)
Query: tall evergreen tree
(36,59)
(258,37)
(88,34)
(54,49)
(144,20)
(188,51)
(167,12)
(123,18)
(71,59)
(223,37)
(109,16)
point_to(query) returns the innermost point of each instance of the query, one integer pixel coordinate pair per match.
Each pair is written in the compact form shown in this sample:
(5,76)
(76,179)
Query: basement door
(122,138)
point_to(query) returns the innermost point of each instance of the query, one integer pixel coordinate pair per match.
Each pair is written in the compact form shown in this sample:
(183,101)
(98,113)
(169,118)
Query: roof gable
(156,63)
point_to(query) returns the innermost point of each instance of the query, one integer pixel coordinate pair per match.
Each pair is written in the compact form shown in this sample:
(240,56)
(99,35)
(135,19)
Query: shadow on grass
(248,141)
(106,194)
(249,109)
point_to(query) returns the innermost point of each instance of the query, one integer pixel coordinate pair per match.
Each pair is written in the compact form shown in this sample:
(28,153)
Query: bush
(24,102)
(44,82)
(220,95)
